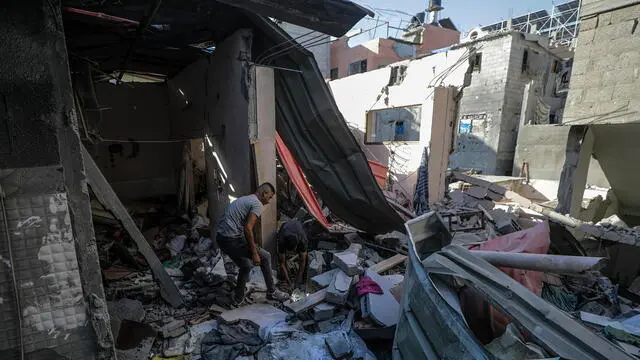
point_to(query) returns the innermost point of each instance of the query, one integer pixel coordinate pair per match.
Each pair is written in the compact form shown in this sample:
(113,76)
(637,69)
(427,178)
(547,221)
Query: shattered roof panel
(313,128)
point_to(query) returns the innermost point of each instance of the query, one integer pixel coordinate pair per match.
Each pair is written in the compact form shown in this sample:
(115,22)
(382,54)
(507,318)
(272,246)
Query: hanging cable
(264,53)
(13,270)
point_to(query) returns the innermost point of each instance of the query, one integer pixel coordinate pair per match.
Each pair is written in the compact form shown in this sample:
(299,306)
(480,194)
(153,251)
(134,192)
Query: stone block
(316,266)
(126,309)
(172,326)
(626,92)
(588,24)
(604,19)
(323,280)
(339,345)
(624,14)
(323,312)
(338,290)
(347,260)
(604,93)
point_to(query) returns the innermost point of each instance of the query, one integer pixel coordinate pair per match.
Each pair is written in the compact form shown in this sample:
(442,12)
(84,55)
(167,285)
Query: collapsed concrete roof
(162,37)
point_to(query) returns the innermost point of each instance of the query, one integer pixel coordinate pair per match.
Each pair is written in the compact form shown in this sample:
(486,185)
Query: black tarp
(308,120)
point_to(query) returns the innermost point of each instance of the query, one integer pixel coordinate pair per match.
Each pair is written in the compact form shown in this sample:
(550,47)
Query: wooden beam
(111,202)
(389,263)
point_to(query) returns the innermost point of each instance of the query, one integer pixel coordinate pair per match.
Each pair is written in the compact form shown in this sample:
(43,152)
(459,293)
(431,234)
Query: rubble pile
(489,219)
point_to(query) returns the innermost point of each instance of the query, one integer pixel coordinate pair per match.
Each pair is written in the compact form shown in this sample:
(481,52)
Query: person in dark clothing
(292,238)
(235,236)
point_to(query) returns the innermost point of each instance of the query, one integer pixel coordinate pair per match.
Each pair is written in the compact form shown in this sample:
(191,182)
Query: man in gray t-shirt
(235,236)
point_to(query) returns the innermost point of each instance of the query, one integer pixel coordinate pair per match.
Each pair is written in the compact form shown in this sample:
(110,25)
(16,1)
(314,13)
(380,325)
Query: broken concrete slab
(142,351)
(338,290)
(347,260)
(383,308)
(316,265)
(307,302)
(170,326)
(332,324)
(323,312)
(339,345)
(323,280)
(126,309)
(176,346)
(263,315)
(394,279)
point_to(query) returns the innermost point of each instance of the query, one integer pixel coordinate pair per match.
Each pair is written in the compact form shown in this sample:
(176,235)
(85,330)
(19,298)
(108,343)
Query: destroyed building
(135,84)
(126,129)
(395,112)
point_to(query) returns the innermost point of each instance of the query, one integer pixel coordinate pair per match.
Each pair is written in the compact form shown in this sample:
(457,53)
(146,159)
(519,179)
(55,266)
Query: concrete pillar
(443,130)
(264,147)
(573,180)
(530,95)
(60,303)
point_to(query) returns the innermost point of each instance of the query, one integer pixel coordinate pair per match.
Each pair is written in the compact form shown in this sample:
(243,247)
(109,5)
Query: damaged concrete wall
(217,88)
(140,112)
(59,307)
(605,75)
(491,104)
(542,147)
(358,94)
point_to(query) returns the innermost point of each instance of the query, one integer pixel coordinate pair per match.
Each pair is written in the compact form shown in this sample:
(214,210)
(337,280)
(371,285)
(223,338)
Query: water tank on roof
(435,5)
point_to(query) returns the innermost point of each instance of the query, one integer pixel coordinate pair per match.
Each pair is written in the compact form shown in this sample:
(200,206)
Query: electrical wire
(13,271)
(308,44)
(305,43)
(264,53)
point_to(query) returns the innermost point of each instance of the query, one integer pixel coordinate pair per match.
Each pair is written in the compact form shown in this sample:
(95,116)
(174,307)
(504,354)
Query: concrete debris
(333,324)
(383,308)
(171,326)
(347,260)
(339,345)
(315,267)
(176,346)
(263,315)
(126,309)
(323,312)
(392,240)
(338,290)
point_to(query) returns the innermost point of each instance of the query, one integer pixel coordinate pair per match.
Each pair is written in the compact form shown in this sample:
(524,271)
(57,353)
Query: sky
(466,14)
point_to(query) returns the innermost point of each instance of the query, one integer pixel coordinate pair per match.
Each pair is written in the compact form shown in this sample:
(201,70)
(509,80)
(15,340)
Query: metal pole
(557,264)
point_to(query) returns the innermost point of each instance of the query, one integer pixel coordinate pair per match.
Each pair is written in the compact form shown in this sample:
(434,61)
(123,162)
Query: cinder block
(604,19)
(323,312)
(588,24)
(616,77)
(604,93)
(338,290)
(623,14)
(626,92)
(611,108)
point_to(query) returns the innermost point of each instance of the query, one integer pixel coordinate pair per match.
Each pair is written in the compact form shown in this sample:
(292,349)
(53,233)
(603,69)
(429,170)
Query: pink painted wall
(379,52)
(435,37)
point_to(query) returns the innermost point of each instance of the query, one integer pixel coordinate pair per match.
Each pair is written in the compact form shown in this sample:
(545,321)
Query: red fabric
(367,285)
(534,240)
(380,172)
(300,182)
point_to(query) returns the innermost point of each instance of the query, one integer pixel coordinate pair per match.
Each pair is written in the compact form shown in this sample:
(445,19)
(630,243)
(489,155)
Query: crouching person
(235,236)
